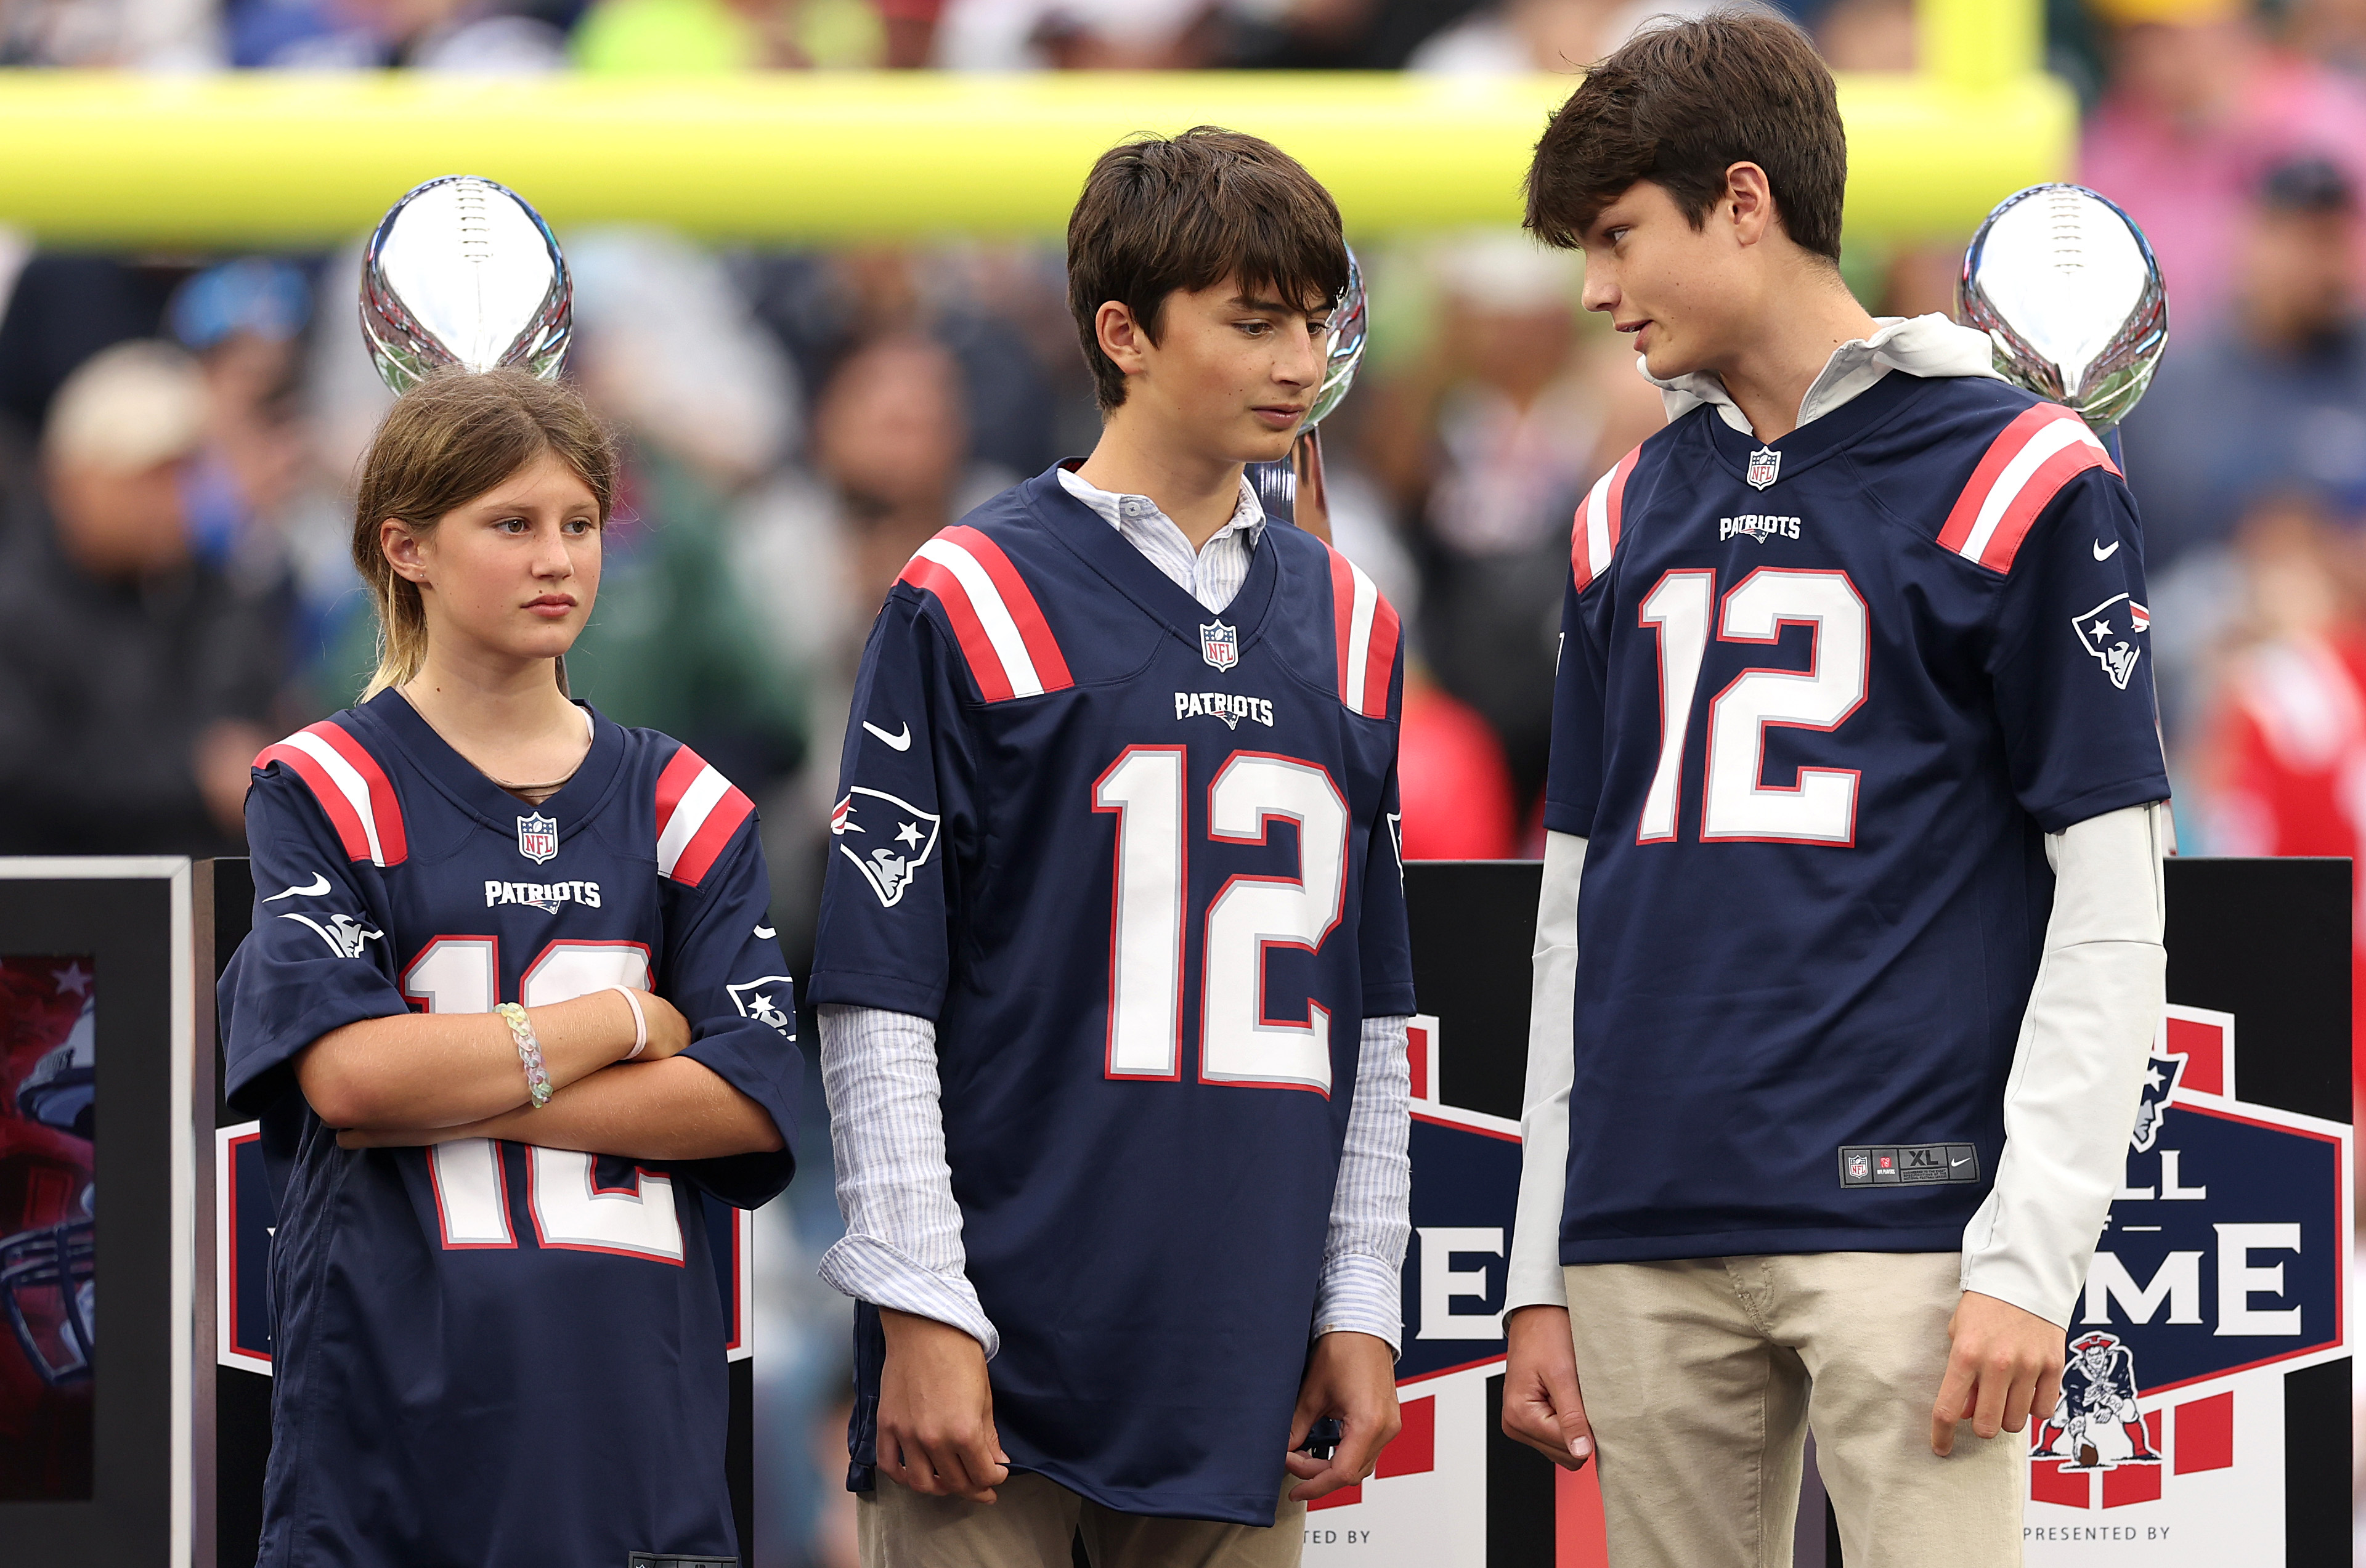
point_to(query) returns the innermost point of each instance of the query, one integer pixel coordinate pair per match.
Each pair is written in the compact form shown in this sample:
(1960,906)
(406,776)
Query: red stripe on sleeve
(699,855)
(977,648)
(1380,662)
(386,811)
(679,772)
(2001,451)
(341,813)
(1042,647)
(1614,509)
(1342,615)
(2043,487)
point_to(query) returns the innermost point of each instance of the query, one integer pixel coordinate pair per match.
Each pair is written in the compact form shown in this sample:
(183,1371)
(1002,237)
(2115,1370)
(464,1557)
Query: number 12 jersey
(1819,702)
(1137,861)
(485,1352)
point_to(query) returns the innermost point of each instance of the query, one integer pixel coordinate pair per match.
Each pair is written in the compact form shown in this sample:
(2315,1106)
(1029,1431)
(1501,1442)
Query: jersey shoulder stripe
(1366,628)
(698,810)
(1594,539)
(2023,469)
(351,787)
(1005,640)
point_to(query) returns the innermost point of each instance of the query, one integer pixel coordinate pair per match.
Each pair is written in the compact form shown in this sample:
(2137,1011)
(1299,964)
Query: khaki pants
(1702,1378)
(1033,1522)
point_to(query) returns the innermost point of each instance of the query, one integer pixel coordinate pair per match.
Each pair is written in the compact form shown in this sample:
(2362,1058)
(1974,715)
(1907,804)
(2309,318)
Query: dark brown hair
(1678,105)
(1159,214)
(445,443)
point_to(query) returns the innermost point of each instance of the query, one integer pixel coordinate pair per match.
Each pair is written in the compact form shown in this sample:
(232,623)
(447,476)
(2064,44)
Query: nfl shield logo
(1220,645)
(537,837)
(1859,1168)
(1764,463)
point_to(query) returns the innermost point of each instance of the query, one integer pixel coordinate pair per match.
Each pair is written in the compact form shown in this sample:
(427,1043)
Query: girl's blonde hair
(445,443)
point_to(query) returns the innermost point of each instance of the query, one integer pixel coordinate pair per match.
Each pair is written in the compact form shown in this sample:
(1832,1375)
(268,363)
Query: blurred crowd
(178,435)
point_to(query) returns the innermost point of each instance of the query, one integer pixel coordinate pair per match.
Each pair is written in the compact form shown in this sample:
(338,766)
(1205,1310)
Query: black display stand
(123,924)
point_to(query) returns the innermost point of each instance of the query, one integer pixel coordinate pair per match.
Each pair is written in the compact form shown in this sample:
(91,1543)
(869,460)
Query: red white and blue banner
(2222,1271)
(2207,1410)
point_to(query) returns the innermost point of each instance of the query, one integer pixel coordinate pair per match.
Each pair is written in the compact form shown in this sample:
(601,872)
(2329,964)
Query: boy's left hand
(1354,1378)
(2002,1363)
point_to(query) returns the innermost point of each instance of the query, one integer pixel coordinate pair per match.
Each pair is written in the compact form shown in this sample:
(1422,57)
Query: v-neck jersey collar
(468,788)
(1126,569)
(1810,443)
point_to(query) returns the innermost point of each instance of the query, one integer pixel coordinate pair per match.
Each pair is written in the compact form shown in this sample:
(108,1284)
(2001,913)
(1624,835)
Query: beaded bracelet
(529,1050)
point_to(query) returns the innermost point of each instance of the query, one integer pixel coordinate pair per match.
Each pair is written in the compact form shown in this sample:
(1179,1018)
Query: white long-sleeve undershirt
(903,1242)
(2069,1102)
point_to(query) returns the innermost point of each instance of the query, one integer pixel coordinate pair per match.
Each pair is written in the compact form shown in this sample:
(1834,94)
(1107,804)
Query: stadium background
(852,325)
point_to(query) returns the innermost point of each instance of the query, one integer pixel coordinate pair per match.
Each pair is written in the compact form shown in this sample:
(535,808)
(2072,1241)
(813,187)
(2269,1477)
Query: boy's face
(1680,291)
(1232,372)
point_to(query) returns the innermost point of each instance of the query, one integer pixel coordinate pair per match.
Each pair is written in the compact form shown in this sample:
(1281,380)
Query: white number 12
(462,974)
(1239,1044)
(1736,802)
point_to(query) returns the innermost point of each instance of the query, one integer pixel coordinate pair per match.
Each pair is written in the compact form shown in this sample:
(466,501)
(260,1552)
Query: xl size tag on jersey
(667,1560)
(1908,1165)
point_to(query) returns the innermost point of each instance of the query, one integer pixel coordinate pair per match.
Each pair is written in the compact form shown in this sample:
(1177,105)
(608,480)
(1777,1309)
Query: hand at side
(936,1411)
(1542,1406)
(1353,1377)
(2002,1363)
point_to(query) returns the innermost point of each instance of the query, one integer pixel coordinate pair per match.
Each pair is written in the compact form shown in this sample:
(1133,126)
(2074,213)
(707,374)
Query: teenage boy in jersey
(1113,959)
(1849,953)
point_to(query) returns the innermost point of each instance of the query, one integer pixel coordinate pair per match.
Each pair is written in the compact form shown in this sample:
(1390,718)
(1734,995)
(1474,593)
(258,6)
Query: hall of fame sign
(1428,1501)
(2222,1270)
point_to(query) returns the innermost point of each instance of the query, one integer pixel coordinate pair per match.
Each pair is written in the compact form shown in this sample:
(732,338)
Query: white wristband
(640,1022)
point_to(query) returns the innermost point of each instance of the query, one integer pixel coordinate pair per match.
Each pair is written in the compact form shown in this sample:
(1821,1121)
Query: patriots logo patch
(2159,1082)
(900,839)
(2107,631)
(762,1000)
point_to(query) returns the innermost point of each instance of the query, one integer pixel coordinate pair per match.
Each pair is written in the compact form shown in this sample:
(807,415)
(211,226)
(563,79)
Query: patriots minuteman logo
(761,1000)
(537,837)
(1220,645)
(2159,1082)
(898,840)
(2106,632)
(346,936)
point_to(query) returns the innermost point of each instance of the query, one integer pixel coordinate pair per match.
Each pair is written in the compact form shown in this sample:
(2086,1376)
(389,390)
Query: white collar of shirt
(1920,345)
(1117,511)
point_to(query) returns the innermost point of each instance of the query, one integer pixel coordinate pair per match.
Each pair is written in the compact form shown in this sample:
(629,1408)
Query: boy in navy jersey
(1111,965)
(1855,767)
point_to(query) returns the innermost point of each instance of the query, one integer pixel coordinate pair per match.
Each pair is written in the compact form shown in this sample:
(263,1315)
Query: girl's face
(511,573)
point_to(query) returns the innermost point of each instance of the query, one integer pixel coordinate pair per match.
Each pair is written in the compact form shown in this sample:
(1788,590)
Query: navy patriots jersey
(1137,861)
(487,1353)
(1819,702)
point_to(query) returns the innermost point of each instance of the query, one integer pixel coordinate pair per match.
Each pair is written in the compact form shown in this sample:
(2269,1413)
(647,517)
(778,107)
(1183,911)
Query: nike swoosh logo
(901,740)
(2103,554)
(766,933)
(1959,1162)
(318,885)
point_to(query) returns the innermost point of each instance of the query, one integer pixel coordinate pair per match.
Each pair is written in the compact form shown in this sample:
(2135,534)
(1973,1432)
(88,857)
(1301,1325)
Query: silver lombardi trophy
(1293,486)
(2067,289)
(463,274)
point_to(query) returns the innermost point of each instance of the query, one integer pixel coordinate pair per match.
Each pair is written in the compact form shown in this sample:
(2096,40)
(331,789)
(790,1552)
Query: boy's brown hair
(445,443)
(1681,103)
(1160,213)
